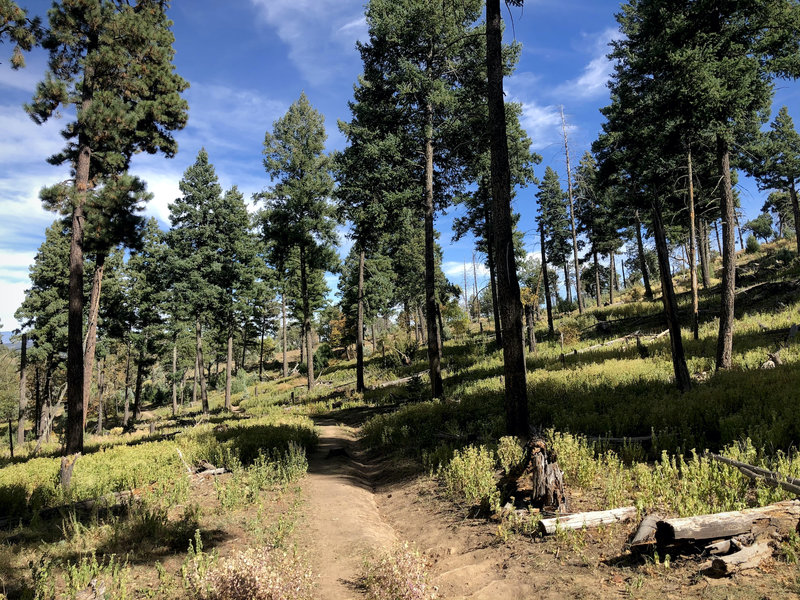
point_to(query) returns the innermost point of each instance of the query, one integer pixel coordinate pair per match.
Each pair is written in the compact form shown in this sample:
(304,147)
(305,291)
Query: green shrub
(469,477)
(509,453)
(752,246)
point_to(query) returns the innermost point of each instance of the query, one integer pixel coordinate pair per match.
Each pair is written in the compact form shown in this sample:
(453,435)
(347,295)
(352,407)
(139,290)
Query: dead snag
(537,478)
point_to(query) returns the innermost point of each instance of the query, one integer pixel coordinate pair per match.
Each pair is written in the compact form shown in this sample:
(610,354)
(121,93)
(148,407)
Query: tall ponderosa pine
(552,215)
(374,178)
(192,261)
(235,278)
(112,62)
(146,290)
(299,214)
(431,57)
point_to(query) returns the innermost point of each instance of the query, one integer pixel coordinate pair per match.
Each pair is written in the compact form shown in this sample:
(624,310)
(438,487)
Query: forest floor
(354,493)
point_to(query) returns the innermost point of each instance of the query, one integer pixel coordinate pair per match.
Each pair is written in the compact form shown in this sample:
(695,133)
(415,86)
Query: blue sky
(248,60)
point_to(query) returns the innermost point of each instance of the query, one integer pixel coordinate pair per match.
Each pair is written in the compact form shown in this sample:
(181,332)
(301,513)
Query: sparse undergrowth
(400,573)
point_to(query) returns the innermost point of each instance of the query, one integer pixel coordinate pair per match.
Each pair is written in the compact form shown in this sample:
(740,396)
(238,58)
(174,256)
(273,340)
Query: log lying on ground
(646,534)
(781,517)
(625,338)
(586,519)
(400,381)
(749,557)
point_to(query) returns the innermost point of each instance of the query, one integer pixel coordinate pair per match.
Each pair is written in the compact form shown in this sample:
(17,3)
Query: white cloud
(591,83)
(319,33)
(10,300)
(543,124)
(455,271)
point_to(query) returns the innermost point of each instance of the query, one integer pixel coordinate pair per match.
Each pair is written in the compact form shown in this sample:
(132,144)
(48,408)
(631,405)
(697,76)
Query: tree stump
(537,478)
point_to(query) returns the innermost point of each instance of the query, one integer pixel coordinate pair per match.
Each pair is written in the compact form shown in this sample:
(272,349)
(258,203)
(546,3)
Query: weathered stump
(537,479)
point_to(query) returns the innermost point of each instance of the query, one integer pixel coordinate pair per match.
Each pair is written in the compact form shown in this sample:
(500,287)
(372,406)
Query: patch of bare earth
(356,506)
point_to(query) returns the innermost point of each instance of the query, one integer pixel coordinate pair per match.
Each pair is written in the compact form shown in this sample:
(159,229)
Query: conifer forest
(451,343)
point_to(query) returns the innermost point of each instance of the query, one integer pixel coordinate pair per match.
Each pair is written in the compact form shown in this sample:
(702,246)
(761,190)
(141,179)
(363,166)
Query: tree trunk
(137,393)
(283,331)
(127,407)
(739,230)
(439,322)
(573,228)
(101,388)
(682,379)
(91,332)
(719,243)
(622,268)
(360,326)
(229,370)
(73,433)
(612,272)
(261,346)
(692,246)
(23,389)
(175,376)
(516,401)
(466,299)
(547,299)
(498,331)
(531,329)
(726,316)
(434,342)
(648,291)
(196,378)
(796,213)
(198,336)
(306,318)
(475,302)
(598,292)
(702,247)
(244,350)
(374,341)
(567,287)
(37,401)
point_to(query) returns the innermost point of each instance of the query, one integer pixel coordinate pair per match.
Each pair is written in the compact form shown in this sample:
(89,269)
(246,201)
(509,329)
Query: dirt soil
(357,506)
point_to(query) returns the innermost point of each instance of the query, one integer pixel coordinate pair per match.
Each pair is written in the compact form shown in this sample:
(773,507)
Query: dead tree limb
(772,478)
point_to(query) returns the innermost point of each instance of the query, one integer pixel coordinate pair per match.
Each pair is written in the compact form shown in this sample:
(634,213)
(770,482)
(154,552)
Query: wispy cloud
(543,124)
(592,81)
(318,33)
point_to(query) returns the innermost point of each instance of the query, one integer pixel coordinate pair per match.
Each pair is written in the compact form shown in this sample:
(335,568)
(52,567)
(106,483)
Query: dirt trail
(343,524)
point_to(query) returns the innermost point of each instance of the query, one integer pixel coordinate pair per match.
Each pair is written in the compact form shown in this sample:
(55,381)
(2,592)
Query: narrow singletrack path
(342,526)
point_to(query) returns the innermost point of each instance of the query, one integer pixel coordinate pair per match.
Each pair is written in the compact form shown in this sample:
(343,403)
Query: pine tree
(193,241)
(18,28)
(146,290)
(432,59)
(111,61)
(778,161)
(236,272)
(552,215)
(298,214)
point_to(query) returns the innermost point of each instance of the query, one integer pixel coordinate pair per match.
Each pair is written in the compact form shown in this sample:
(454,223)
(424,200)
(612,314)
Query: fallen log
(586,519)
(781,517)
(400,381)
(748,557)
(646,534)
(773,478)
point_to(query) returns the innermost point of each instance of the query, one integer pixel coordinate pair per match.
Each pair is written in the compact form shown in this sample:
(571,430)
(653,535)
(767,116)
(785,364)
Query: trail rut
(343,524)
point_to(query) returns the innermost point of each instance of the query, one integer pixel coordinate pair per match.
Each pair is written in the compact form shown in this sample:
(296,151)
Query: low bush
(254,574)
(399,575)
(469,477)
